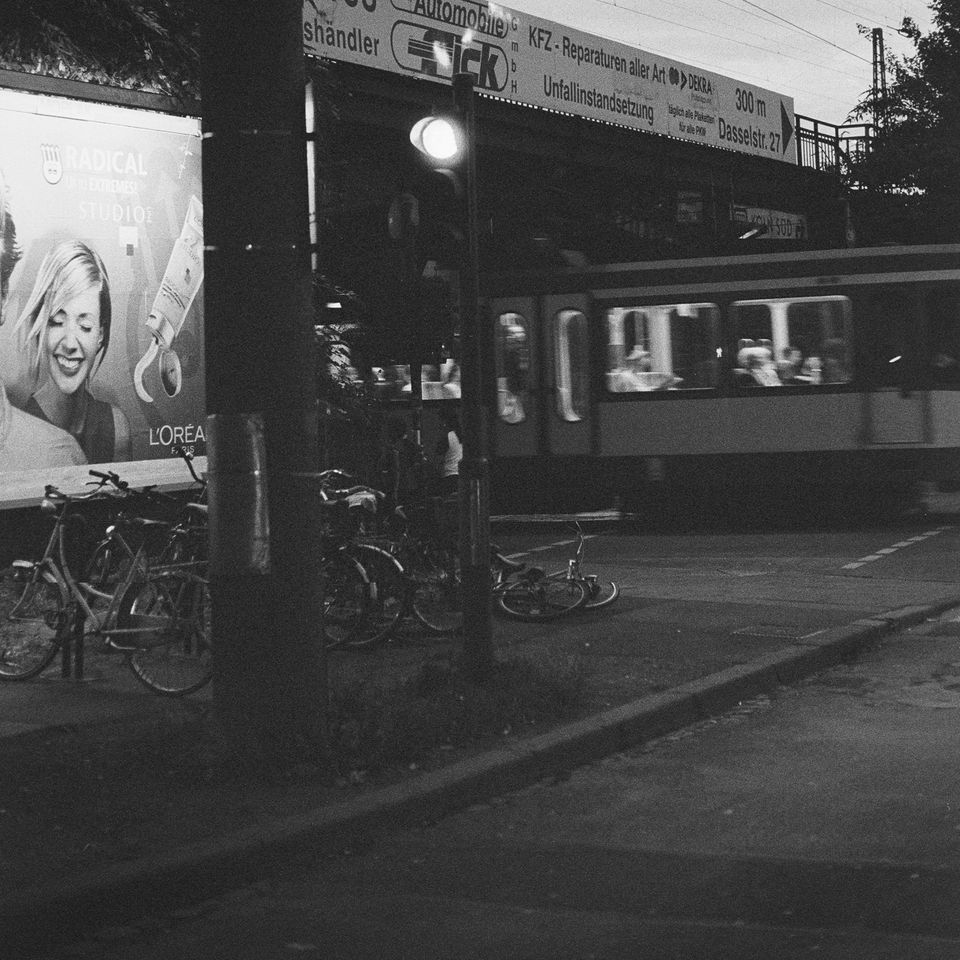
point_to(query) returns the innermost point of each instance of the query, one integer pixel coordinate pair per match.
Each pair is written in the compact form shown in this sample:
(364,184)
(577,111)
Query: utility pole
(269,666)
(879,91)
(474,467)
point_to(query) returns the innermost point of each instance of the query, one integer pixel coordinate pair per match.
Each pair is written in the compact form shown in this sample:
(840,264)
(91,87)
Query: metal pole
(474,467)
(269,691)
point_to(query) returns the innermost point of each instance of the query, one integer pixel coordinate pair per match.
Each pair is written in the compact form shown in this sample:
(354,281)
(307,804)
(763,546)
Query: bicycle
(426,548)
(112,556)
(518,590)
(387,593)
(178,538)
(406,573)
(599,593)
(430,559)
(527,593)
(345,584)
(159,622)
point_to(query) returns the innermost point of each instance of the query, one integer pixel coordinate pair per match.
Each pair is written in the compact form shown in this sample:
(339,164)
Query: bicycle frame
(54,563)
(574,562)
(186,545)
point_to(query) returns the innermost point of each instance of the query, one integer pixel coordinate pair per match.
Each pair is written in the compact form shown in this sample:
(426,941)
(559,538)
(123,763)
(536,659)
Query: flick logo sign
(326,9)
(442,53)
(51,164)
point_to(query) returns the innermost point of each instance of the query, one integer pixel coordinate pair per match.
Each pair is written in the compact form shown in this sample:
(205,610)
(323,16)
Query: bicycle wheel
(438,598)
(387,597)
(542,599)
(168,648)
(346,589)
(32,621)
(600,593)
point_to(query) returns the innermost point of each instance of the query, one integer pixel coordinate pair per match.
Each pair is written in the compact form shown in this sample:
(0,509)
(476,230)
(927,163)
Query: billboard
(775,224)
(101,348)
(528,60)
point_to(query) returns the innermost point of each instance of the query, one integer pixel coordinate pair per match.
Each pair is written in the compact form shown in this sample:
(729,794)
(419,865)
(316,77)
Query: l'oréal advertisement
(101,346)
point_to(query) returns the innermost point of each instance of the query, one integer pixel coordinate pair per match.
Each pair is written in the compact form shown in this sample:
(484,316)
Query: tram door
(516,427)
(895,410)
(564,337)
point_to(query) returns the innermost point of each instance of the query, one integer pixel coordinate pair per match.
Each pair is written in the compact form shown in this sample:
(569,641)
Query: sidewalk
(678,646)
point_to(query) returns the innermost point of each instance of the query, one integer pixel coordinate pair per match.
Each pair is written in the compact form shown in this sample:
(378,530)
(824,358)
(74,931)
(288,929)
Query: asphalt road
(822,821)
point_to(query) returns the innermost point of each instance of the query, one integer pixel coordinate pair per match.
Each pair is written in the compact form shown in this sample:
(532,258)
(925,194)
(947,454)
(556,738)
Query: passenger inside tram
(833,362)
(788,369)
(636,374)
(755,363)
(514,368)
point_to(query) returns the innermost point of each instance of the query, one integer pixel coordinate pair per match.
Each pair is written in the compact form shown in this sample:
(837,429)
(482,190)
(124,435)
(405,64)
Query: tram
(763,384)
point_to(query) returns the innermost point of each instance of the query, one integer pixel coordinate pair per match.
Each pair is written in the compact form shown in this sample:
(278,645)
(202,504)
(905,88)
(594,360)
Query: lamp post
(474,467)
(450,146)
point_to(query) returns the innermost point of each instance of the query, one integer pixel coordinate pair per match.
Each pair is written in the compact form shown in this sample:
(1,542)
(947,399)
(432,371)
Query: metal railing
(829,147)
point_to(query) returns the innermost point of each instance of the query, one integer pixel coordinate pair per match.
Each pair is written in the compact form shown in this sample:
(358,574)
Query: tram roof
(824,264)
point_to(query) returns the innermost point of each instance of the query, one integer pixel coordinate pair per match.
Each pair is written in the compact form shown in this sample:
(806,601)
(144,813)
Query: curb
(189,874)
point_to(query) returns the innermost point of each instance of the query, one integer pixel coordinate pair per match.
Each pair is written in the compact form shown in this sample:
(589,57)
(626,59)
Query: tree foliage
(915,159)
(149,45)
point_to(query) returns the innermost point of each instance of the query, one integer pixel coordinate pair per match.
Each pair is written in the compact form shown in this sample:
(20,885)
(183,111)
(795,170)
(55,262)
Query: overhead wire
(686,26)
(715,67)
(870,16)
(801,29)
(743,43)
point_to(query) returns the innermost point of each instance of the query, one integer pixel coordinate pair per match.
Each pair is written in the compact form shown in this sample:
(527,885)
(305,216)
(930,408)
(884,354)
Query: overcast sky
(806,49)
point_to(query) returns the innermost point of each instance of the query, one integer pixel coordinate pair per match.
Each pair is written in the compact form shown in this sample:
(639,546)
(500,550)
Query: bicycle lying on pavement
(599,593)
(527,593)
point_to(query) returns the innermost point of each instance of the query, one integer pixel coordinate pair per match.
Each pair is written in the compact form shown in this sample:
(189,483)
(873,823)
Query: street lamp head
(440,139)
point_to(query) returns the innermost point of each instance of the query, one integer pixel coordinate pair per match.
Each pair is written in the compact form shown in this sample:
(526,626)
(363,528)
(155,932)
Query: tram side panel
(817,389)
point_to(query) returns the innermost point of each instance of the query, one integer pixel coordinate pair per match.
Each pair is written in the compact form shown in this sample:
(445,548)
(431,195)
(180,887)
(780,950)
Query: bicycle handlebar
(111,478)
(334,472)
(55,495)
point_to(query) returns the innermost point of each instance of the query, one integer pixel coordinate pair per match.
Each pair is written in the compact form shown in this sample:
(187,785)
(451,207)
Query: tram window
(671,346)
(943,317)
(805,341)
(440,381)
(512,353)
(437,382)
(570,364)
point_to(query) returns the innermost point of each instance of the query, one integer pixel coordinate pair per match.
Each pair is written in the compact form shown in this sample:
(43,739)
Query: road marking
(886,551)
(548,546)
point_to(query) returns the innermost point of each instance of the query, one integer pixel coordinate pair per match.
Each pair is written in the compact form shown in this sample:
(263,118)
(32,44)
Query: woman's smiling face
(74,337)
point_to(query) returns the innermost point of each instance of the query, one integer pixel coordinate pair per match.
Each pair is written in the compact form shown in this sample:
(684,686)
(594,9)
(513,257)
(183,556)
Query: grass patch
(71,800)
(375,727)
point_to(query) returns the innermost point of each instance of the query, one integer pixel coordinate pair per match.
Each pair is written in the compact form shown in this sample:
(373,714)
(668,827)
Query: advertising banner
(775,224)
(101,348)
(532,61)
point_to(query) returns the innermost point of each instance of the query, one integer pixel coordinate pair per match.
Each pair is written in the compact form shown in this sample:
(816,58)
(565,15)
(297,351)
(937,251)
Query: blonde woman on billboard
(66,324)
(26,443)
